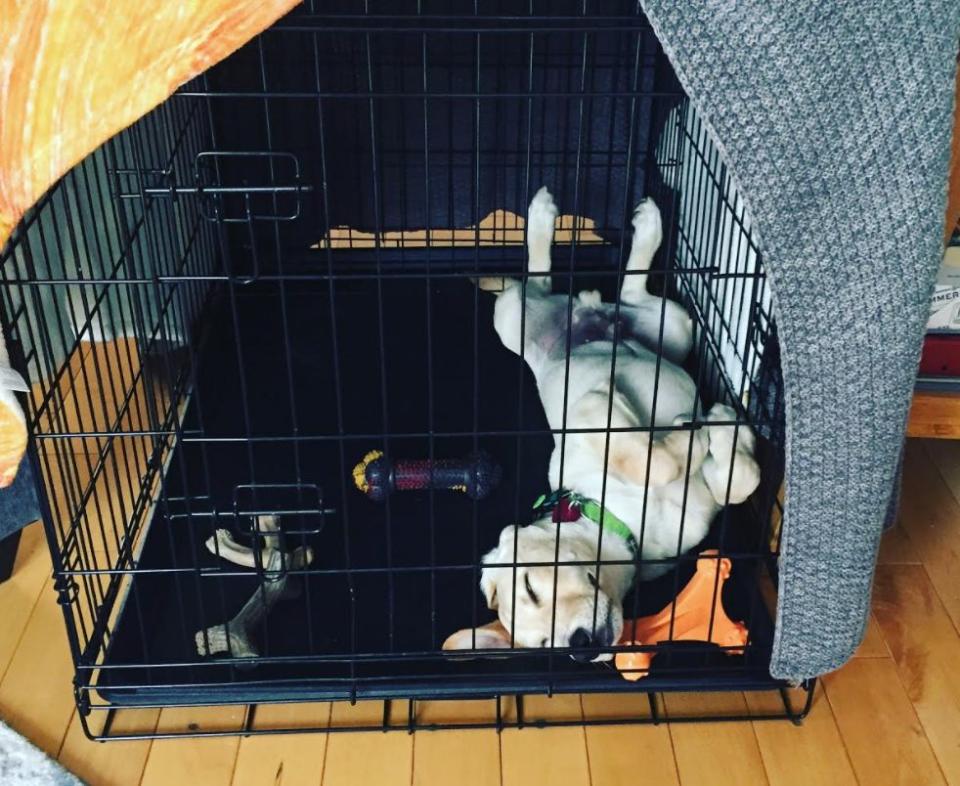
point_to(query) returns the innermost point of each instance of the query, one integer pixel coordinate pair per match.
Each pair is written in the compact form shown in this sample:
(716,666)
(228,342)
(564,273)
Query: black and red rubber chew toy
(378,477)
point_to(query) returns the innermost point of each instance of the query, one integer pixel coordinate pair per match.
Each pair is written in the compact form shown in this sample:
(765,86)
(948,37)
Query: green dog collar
(566,506)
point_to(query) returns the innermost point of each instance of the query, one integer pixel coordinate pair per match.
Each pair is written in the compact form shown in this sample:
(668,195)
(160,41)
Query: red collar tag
(565,510)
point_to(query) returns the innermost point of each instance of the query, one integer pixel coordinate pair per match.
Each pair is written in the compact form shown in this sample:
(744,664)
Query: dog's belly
(639,376)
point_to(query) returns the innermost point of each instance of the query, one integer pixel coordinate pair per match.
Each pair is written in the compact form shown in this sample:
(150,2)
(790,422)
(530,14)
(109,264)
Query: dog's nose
(587,645)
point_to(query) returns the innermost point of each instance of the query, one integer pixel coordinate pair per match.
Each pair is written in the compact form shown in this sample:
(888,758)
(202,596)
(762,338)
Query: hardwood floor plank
(368,758)
(896,548)
(805,755)
(934,414)
(711,753)
(98,391)
(873,645)
(926,648)
(452,711)
(561,706)
(931,516)
(620,754)
(944,454)
(531,757)
(57,409)
(194,761)
(284,759)
(109,764)
(36,697)
(880,729)
(466,757)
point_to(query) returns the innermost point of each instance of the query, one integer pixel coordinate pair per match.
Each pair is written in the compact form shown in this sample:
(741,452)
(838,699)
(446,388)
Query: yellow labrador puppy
(542,579)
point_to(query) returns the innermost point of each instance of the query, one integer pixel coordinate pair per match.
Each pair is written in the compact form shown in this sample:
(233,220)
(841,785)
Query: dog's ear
(488,584)
(488,637)
(489,588)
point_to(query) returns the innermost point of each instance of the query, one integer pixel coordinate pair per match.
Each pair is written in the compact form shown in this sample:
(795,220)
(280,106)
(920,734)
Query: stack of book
(940,361)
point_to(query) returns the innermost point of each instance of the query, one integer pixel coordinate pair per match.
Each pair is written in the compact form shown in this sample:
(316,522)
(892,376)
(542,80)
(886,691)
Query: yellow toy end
(360,471)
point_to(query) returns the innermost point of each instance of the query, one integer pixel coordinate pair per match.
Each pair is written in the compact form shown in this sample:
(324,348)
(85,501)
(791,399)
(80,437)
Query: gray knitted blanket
(835,121)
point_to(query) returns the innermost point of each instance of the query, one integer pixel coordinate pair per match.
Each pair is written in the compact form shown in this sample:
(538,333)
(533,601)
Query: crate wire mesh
(227,305)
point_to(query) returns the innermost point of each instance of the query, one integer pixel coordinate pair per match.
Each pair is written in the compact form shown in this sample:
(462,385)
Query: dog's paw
(731,483)
(721,412)
(542,213)
(646,222)
(722,436)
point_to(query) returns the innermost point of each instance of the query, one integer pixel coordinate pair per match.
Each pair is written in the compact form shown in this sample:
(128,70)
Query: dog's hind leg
(541,217)
(663,325)
(647,236)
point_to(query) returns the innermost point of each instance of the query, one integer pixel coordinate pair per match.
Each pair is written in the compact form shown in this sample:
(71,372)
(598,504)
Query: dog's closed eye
(530,592)
(593,581)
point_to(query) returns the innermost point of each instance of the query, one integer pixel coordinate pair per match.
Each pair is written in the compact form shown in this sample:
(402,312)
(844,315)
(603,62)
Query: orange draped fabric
(75,72)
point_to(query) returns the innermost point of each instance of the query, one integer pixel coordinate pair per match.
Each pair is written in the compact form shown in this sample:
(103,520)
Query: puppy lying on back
(661,488)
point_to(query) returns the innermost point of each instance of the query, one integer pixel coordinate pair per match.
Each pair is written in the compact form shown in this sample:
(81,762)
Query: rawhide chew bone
(236,637)
(221,543)
(378,477)
(697,615)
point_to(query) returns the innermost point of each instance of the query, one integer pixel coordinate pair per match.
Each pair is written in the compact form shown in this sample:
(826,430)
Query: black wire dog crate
(231,303)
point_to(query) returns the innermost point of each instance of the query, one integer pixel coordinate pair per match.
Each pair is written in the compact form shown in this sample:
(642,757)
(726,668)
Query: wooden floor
(890,716)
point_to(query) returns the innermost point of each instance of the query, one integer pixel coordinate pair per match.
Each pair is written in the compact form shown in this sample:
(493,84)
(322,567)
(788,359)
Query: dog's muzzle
(587,646)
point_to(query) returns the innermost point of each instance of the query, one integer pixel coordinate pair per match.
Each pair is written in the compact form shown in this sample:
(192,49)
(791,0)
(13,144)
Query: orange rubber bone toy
(691,613)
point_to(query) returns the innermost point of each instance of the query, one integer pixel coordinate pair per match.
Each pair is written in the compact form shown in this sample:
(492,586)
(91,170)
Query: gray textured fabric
(18,502)
(23,764)
(834,119)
